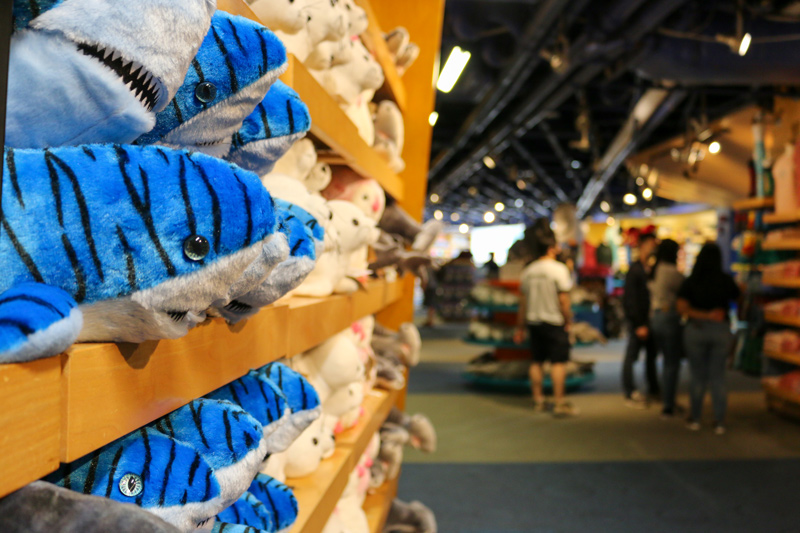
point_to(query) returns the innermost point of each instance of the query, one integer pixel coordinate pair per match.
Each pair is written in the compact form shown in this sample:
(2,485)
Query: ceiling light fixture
(438,215)
(518,203)
(435,198)
(605,207)
(455,217)
(610,221)
(521,185)
(453,68)
(489,162)
(575,164)
(488,217)
(714,147)
(432,118)
(499,206)
(463,228)
(744,44)
(629,199)
(647,194)
(639,181)
(472,191)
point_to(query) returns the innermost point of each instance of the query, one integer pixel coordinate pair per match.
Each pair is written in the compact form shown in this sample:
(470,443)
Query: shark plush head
(270,130)
(232,72)
(85,71)
(301,396)
(277,498)
(226,437)
(145,239)
(152,470)
(248,511)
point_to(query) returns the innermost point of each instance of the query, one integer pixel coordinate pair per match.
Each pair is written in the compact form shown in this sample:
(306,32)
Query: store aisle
(502,467)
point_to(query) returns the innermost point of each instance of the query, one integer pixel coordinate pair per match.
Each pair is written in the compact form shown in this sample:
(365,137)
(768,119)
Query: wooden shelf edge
(775,318)
(781,244)
(777,281)
(751,204)
(787,357)
(378,504)
(318,493)
(782,218)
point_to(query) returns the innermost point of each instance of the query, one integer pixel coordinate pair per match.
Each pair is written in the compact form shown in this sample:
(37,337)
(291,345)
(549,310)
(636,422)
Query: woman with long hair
(666,322)
(705,298)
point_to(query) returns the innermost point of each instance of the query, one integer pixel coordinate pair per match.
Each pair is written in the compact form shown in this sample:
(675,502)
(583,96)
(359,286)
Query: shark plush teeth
(36,320)
(302,397)
(278,499)
(236,64)
(154,471)
(86,71)
(270,130)
(299,229)
(248,511)
(263,401)
(226,437)
(144,239)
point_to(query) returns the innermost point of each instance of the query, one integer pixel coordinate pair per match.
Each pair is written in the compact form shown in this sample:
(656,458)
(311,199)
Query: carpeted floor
(500,467)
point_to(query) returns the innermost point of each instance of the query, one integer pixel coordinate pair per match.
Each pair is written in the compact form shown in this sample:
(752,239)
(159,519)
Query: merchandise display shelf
(788,357)
(378,503)
(510,345)
(318,493)
(782,218)
(373,39)
(778,281)
(779,400)
(329,123)
(97,392)
(752,204)
(786,320)
(781,244)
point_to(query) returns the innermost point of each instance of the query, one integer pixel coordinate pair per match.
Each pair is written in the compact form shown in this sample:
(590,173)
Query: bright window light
(629,199)
(714,147)
(438,215)
(499,206)
(489,162)
(432,118)
(488,217)
(744,46)
(453,68)
(647,194)
(455,217)
(463,228)
(519,202)
(605,207)
(434,198)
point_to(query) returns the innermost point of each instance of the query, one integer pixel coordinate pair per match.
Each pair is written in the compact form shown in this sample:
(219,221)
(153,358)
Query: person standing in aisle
(490,269)
(636,304)
(704,299)
(544,309)
(666,322)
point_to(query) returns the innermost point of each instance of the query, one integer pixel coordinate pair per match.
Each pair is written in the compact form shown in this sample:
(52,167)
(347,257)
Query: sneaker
(565,409)
(540,407)
(636,401)
(693,425)
(719,429)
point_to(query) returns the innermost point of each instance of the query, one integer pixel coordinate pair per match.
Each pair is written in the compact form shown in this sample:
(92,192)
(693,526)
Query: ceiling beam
(562,156)
(650,110)
(540,171)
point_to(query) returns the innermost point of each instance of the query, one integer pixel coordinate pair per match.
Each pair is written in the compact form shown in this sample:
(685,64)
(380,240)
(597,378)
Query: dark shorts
(549,343)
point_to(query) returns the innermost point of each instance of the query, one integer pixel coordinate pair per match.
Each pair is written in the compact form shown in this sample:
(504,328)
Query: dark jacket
(636,299)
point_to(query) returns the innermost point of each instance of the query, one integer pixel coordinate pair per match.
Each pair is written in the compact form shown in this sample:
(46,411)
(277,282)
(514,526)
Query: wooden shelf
(776,318)
(393,88)
(781,244)
(329,123)
(782,218)
(318,493)
(787,357)
(378,503)
(780,400)
(777,281)
(751,204)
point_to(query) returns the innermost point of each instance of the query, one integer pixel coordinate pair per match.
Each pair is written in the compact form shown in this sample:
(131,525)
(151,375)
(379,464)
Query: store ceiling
(558,93)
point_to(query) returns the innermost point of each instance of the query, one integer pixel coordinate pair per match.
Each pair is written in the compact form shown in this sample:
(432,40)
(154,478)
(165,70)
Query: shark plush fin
(301,395)
(234,68)
(36,320)
(152,470)
(270,130)
(277,498)
(227,437)
(249,511)
(261,399)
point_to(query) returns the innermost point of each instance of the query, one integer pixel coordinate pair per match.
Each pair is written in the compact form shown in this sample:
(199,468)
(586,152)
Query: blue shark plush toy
(232,72)
(152,470)
(144,239)
(270,130)
(248,511)
(278,499)
(88,71)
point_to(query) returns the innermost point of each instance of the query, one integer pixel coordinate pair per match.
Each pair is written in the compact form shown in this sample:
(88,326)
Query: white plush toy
(324,21)
(285,16)
(402,50)
(304,455)
(366,194)
(347,82)
(355,232)
(329,53)
(300,163)
(390,134)
(350,504)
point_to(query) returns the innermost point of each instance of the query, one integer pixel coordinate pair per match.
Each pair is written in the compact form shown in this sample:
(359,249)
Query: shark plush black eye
(205,92)
(196,247)
(131,485)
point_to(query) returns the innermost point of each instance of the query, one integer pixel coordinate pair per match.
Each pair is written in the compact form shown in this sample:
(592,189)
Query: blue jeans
(635,345)
(668,335)
(708,346)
